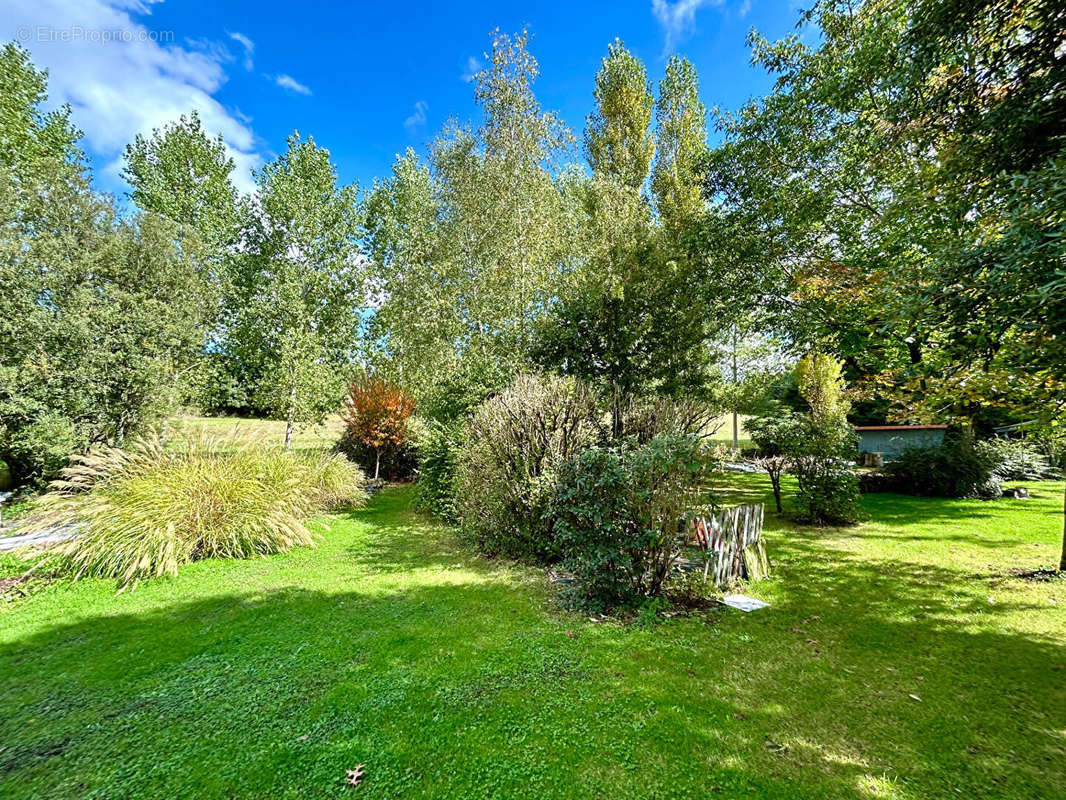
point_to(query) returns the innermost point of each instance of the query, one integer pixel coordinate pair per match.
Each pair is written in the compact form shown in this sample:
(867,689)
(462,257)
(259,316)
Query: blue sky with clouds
(367,80)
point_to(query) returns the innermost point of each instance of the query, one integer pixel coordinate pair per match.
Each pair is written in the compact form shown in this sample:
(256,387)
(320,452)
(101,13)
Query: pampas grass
(146,510)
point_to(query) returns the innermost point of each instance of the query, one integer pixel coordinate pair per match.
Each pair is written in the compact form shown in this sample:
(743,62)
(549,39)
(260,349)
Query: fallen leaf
(302,738)
(915,697)
(355,775)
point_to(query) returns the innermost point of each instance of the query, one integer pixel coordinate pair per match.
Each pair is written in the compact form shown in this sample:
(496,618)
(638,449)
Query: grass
(898,659)
(313,437)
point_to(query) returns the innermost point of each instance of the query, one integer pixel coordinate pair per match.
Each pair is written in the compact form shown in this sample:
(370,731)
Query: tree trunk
(291,419)
(377,463)
(616,414)
(736,382)
(1062,558)
(775,482)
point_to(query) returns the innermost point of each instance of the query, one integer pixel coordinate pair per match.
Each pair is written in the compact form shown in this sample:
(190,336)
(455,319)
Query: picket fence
(732,544)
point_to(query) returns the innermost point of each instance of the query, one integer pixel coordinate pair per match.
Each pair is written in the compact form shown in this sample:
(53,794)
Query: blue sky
(366,80)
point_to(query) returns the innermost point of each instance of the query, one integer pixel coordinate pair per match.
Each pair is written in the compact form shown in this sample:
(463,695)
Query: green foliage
(616,515)
(828,490)
(512,445)
(145,511)
(957,467)
(181,173)
(438,449)
(1016,460)
(466,250)
(832,175)
(627,328)
(99,317)
(677,178)
(779,435)
(298,286)
(617,139)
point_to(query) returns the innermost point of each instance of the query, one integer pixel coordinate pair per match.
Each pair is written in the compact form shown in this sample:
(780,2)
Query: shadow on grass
(458,683)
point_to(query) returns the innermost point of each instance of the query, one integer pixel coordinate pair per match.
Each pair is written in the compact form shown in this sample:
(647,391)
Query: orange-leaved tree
(376,413)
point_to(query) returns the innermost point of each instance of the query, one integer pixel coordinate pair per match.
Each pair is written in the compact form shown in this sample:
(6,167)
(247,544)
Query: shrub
(646,418)
(38,450)
(513,442)
(394,463)
(954,468)
(616,514)
(438,455)
(1016,460)
(376,414)
(145,511)
(828,490)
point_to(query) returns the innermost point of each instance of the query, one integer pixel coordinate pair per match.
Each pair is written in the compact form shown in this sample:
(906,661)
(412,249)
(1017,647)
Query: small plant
(777,434)
(145,511)
(1017,460)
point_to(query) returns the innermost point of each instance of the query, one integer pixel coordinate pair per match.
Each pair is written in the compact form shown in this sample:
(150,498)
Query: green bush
(438,449)
(145,511)
(38,450)
(512,444)
(957,467)
(1016,460)
(828,490)
(616,515)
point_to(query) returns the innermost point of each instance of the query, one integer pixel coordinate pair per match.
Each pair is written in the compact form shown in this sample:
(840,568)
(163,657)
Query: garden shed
(891,440)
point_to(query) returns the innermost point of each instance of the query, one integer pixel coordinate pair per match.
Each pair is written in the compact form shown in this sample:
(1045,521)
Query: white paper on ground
(743,602)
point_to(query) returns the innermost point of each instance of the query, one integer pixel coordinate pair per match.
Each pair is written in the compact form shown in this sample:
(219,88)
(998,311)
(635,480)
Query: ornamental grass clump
(144,511)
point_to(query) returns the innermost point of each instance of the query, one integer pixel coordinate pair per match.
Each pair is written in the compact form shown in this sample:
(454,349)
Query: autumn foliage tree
(376,414)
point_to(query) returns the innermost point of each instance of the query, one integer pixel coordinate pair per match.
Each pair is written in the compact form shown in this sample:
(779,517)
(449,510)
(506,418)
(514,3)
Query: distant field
(725,431)
(324,436)
(269,430)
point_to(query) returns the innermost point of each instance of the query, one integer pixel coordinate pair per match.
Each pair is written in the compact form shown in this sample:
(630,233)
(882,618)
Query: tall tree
(919,146)
(299,284)
(182,174)
(628,319)
(618,139)
(94,311)
(681,128)
(466,250)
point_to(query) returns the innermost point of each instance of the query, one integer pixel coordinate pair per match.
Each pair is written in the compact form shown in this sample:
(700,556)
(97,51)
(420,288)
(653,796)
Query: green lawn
(898,659)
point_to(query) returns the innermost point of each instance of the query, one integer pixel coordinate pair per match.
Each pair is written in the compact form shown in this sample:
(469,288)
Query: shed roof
(900,427)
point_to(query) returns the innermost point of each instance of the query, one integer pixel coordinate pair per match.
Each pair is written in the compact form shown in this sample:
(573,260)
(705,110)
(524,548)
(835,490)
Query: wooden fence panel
(732,543)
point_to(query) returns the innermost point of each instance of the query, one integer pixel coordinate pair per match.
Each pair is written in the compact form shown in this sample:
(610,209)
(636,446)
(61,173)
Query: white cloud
(418,116)
(290,83)
(122,78)
(248,45)
(677,18)
(473,66)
